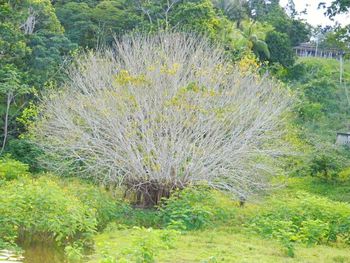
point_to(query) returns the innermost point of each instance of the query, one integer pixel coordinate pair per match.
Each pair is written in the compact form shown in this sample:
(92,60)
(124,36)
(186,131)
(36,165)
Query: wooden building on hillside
(343,138)
(311,50)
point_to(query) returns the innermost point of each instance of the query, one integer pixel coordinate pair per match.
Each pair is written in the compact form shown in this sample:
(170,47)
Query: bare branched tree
(29,25)
(163,112)
(236,10)
(142,6)
(157,10)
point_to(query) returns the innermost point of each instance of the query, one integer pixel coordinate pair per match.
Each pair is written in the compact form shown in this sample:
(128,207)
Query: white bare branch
(29,25)
(165,111)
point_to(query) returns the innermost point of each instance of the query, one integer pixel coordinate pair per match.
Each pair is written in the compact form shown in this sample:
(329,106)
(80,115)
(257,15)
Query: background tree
(271,12)
(11,86)
(236,10)
(341,36)
(32,49)
(335,37)
(280,48)
(336,7)
(13,50)
(78,22)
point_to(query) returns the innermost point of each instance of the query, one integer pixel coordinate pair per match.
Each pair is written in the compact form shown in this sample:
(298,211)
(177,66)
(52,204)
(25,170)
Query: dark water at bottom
(43,253)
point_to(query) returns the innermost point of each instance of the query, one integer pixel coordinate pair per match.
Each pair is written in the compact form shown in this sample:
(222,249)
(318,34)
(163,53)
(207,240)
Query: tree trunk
(151,194)
(9,99)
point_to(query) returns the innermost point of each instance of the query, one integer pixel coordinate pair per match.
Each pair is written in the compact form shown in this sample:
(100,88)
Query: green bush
(26,152)
(145,244)
(39,209)
(325,165)
(106,207)
(192,208)
(196,208)
(325,162)
(313,231)
(74,252)
(280,48)
(303,218)
(11,169)
(130,216)
(344,175)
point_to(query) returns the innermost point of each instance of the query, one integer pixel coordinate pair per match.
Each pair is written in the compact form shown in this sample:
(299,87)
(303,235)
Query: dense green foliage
(40,209)
(103,204)
(303,218)
(26,152)
(279,45)
(31,57)
(322,111)
(46,209)
(335,191)
(11,169)
(195,209)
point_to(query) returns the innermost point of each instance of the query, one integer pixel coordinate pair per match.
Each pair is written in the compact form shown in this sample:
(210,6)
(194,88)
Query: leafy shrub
(314,231)
(41,210)
(280,48)
(192,208)
(11,169)
(74,252)
(195,208)
(344,174)
(131,216)
(326,162)
(302,218)
(325,166)
(26,152)
(144,246)
(106,207)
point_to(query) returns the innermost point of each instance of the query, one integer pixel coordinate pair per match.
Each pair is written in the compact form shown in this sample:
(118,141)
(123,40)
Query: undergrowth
(294,219)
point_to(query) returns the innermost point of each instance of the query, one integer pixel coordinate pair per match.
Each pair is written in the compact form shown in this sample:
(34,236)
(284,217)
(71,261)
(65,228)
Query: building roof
(312,46)
(343,133)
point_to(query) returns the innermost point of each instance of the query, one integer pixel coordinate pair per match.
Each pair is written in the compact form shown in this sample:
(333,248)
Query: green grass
(220,245)
(232,241)
(330,66)
(337,191)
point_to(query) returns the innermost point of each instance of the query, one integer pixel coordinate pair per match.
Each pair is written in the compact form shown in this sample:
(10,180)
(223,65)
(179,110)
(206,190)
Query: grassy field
(337,192)
(330,66)
(219,245)
(230,242)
